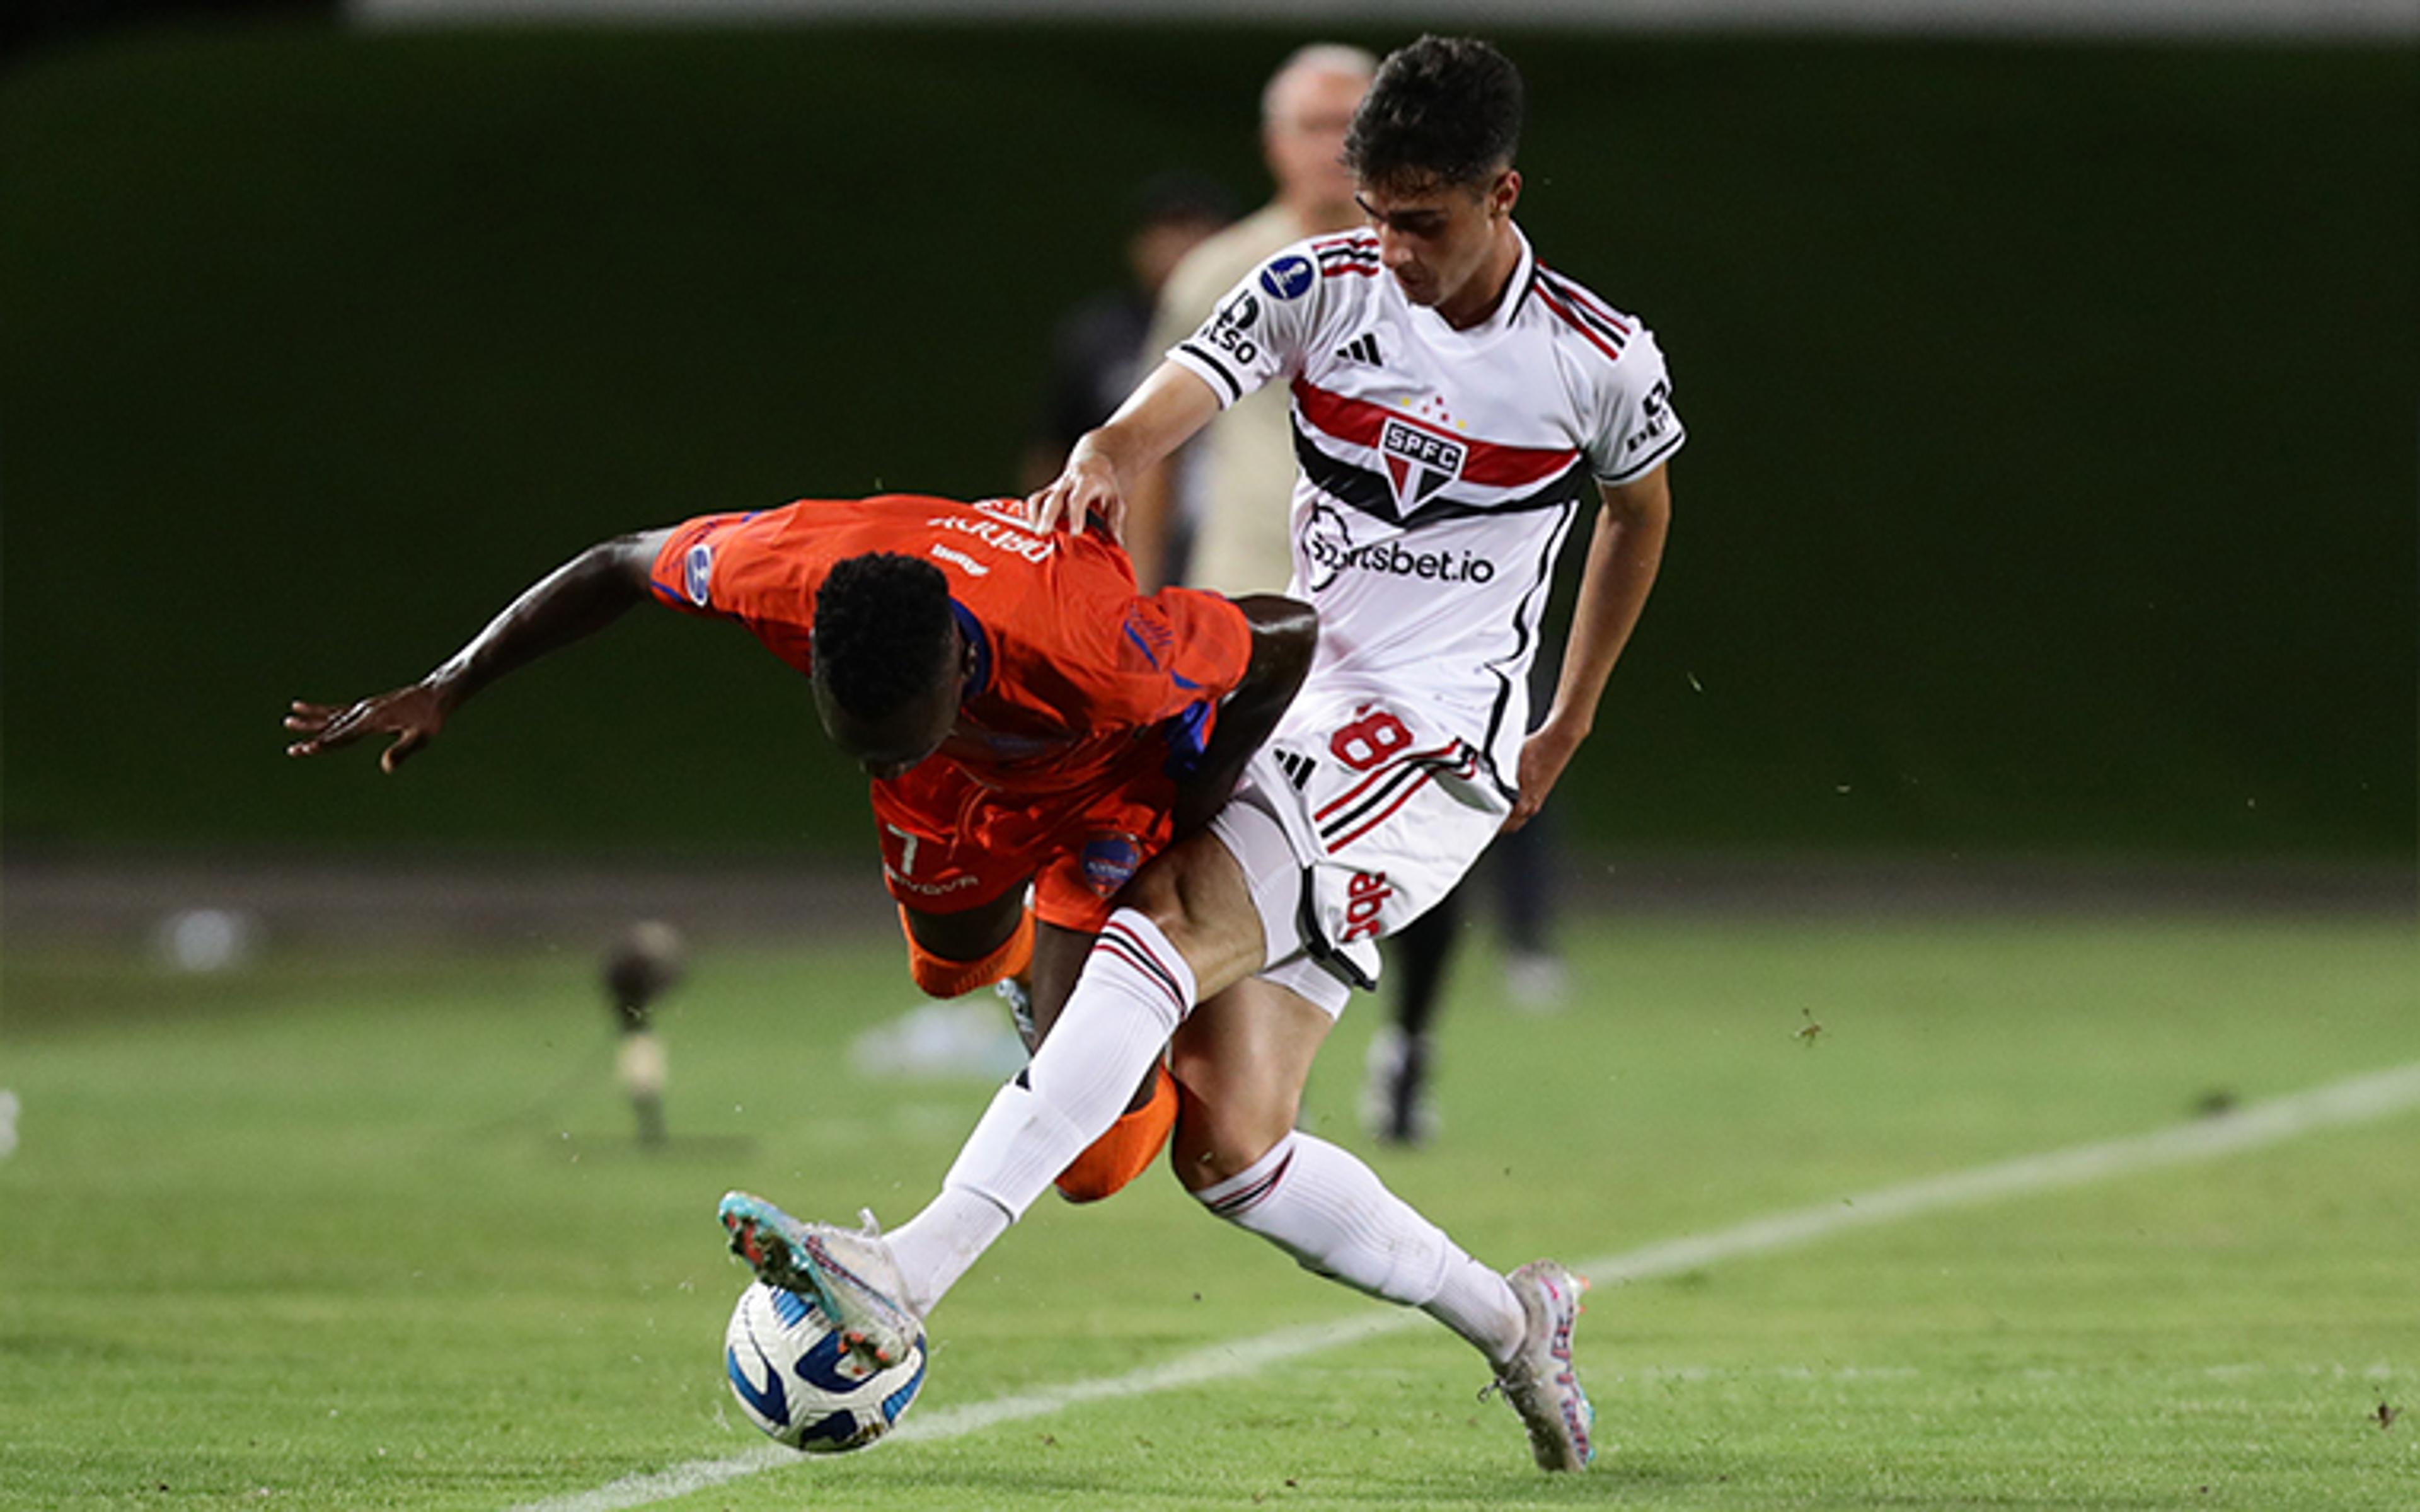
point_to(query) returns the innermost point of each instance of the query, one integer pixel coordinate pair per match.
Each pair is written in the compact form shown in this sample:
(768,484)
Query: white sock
(935,1248)
(1134,991)
(1330,1212)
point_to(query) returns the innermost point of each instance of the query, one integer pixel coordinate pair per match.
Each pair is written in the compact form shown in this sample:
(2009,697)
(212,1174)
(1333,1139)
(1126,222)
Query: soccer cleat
(851,1275)
(1537,1381)
(1396,1107)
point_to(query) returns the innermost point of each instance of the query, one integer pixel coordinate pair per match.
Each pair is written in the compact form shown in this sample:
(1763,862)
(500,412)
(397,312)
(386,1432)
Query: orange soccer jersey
(1087,702)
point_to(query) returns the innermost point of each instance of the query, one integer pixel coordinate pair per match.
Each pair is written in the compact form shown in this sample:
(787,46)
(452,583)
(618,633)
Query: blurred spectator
(1239,474)
(1096,350)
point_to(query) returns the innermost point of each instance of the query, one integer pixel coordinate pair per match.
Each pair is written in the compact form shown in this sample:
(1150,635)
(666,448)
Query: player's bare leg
(969,937)
(1136,986)
(1241,1061)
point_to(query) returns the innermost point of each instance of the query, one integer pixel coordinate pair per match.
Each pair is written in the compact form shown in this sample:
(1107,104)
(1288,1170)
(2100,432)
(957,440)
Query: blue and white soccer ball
(785,1363)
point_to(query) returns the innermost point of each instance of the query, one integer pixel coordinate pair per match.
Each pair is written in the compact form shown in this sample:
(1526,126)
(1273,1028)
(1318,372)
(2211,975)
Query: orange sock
(940,977)
(1127,1149)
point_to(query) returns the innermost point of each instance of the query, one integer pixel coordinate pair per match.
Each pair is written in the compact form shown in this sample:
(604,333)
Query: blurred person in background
(1215,516)
(1228,489)
(1097,351)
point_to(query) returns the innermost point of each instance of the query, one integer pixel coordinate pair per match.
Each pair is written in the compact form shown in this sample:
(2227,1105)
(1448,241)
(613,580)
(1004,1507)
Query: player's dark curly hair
(882,622)
(1443,110)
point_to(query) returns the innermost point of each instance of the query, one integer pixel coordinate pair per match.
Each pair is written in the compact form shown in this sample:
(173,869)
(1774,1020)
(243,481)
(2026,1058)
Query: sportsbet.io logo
(1391,559)
(1418,462)
(1328,547)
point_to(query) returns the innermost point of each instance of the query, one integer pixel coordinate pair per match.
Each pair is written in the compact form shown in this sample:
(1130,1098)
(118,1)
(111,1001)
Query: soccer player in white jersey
(1456,405)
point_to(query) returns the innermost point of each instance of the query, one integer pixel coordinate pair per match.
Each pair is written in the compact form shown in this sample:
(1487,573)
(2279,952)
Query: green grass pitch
(359,1232)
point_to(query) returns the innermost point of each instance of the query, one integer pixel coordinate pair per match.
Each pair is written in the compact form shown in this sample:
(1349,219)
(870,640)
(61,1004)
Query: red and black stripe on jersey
(1356,254)
(1580,310)
(1560,473)
(1351,259)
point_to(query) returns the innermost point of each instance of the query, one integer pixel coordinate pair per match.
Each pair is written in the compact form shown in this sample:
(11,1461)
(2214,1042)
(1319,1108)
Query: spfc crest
(1418,462)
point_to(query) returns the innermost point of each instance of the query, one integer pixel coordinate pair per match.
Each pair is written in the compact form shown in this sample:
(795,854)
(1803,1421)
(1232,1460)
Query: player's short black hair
(883,625)
(1443,110)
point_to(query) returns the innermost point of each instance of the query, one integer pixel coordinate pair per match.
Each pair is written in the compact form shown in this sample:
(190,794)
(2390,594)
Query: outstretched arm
(1156,419)
(1624,554)
(577,599)
(1284,636)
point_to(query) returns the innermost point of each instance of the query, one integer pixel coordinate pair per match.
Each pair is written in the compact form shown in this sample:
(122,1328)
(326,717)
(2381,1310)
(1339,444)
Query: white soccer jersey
(1440,470)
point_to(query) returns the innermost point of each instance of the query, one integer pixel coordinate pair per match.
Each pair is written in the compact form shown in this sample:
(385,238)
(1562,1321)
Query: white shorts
(1356,818)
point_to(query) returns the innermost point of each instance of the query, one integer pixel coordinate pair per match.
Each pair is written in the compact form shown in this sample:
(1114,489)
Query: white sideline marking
(2358,1100)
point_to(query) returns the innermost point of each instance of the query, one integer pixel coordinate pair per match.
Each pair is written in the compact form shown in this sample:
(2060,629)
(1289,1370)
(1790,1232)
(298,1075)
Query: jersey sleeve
(683,574)
(1210,643)
(1634,425)
(1261,329)
(726,566)
(1133,663)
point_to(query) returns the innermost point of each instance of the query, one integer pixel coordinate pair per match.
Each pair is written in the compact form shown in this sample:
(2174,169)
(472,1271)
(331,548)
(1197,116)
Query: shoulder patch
(697,574)
(1287,278)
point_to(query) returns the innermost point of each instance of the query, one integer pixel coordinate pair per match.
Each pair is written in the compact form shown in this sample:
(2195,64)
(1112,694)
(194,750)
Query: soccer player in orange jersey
(1025,714)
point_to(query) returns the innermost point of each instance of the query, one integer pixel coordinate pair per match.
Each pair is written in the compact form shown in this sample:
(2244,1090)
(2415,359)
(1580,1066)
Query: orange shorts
(950,843)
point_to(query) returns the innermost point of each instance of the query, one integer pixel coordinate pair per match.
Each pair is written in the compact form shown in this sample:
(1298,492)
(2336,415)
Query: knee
(1216,1140)
(1158,893)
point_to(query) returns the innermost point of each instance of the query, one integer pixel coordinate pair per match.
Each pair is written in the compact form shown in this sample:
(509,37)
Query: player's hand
(1086,489)
(1544,756)
(412,714)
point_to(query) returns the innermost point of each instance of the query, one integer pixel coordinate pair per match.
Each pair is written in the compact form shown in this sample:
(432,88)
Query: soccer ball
(785,1362)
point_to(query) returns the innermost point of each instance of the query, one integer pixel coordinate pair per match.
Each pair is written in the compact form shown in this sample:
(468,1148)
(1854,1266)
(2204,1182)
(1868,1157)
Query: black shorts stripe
(1403,773)
(1316,945)
(1459,761)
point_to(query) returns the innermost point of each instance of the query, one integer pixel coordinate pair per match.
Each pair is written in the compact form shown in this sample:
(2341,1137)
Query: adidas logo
(1361,348)
(1297,767)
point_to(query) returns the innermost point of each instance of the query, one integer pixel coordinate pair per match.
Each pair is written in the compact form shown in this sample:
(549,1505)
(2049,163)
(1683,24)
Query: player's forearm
(1156,419)
(1625,551)
(574,601)
(1285,635)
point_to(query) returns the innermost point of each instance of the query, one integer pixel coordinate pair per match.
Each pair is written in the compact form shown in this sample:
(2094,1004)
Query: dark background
(2050,489)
